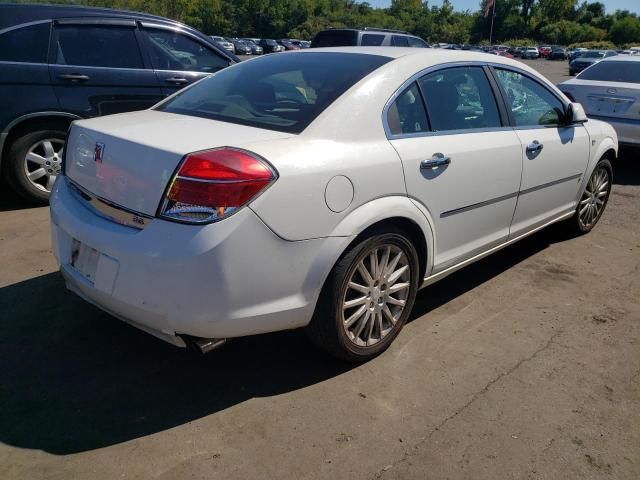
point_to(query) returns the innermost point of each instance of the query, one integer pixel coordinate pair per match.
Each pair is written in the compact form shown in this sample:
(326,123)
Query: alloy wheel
(375,295)
(43,163)
(594,198)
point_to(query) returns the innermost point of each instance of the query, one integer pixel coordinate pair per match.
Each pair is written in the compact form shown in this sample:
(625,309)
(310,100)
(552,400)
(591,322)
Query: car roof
(17,14)
(622,58)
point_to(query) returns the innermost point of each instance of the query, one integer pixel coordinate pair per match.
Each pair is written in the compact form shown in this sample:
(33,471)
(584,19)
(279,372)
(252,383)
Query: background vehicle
(586,59)
(544,51)
(353,203)
(242,47)
(530,52)
(271,46)
(255,48)
(366,37)
(60,63)
(575,53)
(558,53)
(288,44)
(224,43)
(610,91)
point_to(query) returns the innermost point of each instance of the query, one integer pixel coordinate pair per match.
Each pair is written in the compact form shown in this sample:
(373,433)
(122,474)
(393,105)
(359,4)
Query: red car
(501,53)
(544,50)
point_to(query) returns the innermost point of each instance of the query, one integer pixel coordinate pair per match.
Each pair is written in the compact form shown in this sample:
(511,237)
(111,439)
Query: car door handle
(534,146)
(73,77)
(176,80)
(438,160)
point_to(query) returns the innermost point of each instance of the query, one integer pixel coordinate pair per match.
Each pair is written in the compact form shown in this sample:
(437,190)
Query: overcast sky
(473,5)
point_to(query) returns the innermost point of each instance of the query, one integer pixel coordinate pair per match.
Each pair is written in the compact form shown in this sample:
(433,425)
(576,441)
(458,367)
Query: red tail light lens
(213,184)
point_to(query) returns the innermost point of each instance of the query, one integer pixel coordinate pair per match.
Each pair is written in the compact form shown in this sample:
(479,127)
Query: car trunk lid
(607,99)
(129,159)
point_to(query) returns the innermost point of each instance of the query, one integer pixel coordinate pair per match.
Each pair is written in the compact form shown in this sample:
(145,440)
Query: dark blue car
(61,63)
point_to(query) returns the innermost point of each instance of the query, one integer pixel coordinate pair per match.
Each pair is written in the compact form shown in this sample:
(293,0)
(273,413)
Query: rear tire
(365,303)
(593,200)
(32,163)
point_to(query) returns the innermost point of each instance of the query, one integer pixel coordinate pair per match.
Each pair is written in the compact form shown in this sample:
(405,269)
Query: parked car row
(258,46)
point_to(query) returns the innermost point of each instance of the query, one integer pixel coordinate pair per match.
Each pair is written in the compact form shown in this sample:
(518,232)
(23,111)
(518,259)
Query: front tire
(367,298)
(594,199)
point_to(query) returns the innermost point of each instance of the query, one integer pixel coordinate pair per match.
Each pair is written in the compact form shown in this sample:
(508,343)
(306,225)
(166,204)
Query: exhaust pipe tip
(203,345)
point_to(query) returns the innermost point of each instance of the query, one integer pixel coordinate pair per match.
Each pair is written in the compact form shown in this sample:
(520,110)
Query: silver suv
(366,37)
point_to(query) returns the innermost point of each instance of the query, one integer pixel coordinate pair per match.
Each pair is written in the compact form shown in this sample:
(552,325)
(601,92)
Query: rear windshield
(606,71)
(284,92)
(592,54)
(335,38)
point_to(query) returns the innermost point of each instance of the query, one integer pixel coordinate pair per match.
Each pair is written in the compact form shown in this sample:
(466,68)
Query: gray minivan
(366,37)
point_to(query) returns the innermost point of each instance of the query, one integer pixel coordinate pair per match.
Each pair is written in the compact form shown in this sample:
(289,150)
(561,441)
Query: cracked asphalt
(525,365)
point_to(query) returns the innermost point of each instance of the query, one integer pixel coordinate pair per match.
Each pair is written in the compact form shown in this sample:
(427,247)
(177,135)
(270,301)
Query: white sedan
(319,189)
(610,91)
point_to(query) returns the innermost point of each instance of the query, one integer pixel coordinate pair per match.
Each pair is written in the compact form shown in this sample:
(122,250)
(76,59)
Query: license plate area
(84,259)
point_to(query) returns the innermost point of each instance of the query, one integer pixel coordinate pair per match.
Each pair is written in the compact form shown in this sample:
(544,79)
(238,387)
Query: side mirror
(575,114)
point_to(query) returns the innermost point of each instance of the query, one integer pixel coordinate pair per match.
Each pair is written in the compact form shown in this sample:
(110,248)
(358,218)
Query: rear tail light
(211,185)
(569,96)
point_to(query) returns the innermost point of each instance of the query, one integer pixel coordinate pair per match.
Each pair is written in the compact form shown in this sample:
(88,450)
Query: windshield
(592,55)
(628,72)
(282,92)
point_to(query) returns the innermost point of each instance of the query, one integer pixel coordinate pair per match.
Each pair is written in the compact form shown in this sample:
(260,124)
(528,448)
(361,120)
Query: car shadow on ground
(626,169)
(74,379)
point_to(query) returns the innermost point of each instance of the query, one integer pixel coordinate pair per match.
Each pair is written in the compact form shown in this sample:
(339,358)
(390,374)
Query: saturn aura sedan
(319,189)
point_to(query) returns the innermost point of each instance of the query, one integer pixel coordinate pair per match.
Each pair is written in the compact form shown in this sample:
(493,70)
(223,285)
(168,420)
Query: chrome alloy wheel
(375,295)
(594,197)
(43,163)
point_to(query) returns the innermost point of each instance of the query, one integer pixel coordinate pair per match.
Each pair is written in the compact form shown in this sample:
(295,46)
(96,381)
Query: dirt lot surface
(525,365)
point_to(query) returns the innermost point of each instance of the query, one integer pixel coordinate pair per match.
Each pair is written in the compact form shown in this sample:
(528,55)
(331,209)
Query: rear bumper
(228,279)
(628,131)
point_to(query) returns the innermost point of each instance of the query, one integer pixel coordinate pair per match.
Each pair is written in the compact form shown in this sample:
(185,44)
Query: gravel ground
(524,365)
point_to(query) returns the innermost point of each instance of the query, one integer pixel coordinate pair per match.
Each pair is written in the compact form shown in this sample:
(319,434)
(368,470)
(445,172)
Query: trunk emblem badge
(612,90)
(98,153)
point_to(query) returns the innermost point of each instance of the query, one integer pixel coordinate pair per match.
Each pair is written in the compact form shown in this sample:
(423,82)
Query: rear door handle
(534,146)
(73,77)
(176,80)
(438,160)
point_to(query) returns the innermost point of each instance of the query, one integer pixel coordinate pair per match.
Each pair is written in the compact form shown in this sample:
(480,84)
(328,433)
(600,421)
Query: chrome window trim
(470,63)
(23,25)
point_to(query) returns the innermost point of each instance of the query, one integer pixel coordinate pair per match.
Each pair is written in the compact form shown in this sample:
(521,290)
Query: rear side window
(174,51)
(370,40)
(278,92)
(628,72)
(406,114)
(335,38)
(460,98)
(26,44)
(399,41)
(97,46)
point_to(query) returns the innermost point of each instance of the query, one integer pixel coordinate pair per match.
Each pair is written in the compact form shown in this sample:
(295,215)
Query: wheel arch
(32,121)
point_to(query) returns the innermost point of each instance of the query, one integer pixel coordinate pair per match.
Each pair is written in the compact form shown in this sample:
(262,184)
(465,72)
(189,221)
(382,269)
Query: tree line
(563,22)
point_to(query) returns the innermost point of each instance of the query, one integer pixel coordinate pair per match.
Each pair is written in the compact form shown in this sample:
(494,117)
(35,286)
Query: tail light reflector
(211,185)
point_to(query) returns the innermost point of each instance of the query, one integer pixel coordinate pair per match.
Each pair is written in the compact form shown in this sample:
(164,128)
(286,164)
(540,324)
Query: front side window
(97,46)
(278,92)
(406,114)
(530,103)
(627,72)
(416,42)
(174,51)
(370,40)
(26,44)
(399,41)
(460,98)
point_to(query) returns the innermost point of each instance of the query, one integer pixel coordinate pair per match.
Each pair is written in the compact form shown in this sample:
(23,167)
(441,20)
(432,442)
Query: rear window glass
(279,92)
(628,72)
(26,44)
(335,38)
